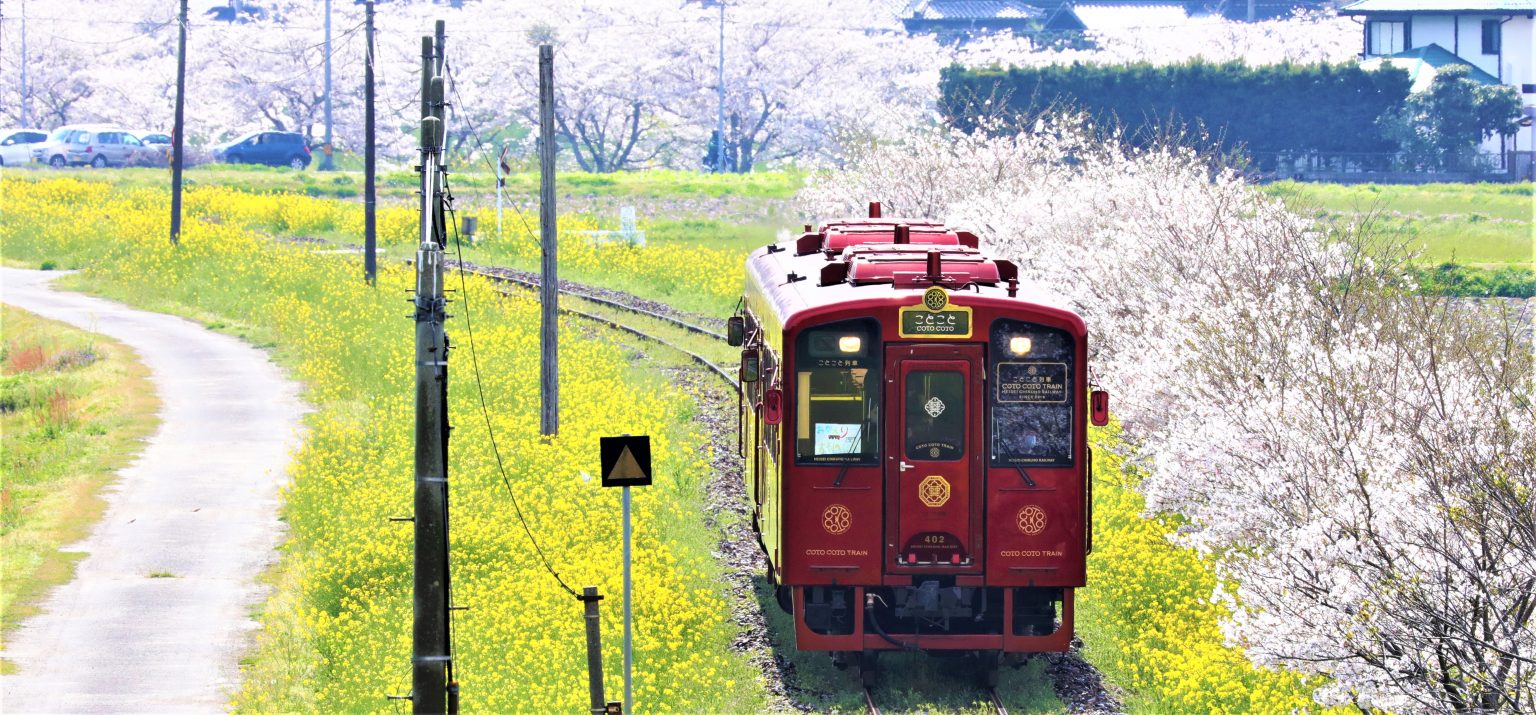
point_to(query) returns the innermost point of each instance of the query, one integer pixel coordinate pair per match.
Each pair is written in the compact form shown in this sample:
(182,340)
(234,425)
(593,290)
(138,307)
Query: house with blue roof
(1496,38)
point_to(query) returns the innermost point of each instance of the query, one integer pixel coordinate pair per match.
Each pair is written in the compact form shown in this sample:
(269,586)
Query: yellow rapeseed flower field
(1148,618)
(336,631)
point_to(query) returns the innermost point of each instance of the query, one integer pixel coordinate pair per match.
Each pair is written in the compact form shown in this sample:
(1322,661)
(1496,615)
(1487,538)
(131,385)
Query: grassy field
(1147,619)
(74,406)
(334,636)
(1479,225)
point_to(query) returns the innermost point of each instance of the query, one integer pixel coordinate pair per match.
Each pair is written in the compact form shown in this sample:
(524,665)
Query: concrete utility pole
(720,82)
(326,164)
(26,95)
(370,166)
(549,296)
(431,655)
(179,132)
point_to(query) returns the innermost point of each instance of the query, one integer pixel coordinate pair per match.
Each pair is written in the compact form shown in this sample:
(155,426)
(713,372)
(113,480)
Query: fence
(1389,168)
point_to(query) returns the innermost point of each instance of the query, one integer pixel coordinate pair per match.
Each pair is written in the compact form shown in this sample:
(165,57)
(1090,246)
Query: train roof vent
(915,266)
(833,238)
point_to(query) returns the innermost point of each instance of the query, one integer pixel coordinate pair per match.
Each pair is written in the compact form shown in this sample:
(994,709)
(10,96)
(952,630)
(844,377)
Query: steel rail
(869,702)
(997,701)
(469,268)
(716,369)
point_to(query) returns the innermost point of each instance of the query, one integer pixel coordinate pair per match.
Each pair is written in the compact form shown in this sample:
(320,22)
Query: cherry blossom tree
(1356,458)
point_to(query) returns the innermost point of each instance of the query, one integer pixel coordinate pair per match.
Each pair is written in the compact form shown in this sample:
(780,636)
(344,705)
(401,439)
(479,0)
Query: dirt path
(159,610)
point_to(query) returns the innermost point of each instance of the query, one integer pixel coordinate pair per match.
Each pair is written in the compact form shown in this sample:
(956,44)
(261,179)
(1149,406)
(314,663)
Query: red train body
(916,442)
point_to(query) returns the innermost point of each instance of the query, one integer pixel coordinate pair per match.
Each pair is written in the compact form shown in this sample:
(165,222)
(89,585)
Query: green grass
(467,178)
(74,406)
(1480,225)
(335,635)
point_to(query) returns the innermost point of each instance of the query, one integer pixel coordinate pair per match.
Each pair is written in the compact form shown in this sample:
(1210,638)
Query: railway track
(719,372)
(716,370)
(997,702)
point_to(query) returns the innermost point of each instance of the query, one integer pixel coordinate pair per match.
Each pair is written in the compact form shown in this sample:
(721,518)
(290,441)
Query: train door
(934,468)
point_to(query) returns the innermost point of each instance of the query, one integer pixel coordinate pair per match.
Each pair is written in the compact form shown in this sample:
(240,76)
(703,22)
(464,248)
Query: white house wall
(1434,30)
(1520,70)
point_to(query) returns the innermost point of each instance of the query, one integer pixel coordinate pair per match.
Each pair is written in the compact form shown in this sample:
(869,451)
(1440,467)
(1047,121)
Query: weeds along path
(157,615)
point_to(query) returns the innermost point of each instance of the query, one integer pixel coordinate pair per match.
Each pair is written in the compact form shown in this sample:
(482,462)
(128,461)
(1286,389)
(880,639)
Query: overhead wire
(474,360)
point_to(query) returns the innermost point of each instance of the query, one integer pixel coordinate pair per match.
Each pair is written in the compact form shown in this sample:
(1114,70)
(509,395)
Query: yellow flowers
(1148,619)
(336,630)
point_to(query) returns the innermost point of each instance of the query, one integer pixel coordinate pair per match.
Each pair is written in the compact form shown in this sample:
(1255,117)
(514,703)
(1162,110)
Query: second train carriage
(915,430)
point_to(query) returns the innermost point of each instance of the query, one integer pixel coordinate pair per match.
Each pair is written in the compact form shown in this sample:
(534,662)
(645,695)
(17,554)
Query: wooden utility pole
(549,295)
(179,132)
(431,654)
(370,167)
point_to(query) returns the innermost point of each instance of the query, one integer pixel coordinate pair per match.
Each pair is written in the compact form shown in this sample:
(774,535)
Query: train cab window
(837,394)
(1032,394)
(935,419)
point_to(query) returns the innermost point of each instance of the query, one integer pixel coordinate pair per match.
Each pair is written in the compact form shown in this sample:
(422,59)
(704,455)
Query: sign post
(626,462)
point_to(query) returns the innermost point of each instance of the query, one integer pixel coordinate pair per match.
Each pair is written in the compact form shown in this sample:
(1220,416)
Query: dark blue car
(270,148)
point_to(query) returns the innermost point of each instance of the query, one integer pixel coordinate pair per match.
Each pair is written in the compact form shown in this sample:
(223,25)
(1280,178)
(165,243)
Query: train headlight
(849,343)
(1020,345)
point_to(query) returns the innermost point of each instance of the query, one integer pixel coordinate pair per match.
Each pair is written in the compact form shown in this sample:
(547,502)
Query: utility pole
(326,163)
(431,655)
(179,132)
(549,296)
(370,197)
(720,82)
(26,95)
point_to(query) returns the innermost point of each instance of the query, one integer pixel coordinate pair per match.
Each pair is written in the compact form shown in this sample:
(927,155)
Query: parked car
(270,148)
(16,145)
(157,146)
(96,144)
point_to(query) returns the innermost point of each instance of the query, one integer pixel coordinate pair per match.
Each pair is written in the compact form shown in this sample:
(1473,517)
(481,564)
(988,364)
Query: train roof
(866,262)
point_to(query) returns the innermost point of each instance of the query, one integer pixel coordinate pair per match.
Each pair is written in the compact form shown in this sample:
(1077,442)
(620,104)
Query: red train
(915,425)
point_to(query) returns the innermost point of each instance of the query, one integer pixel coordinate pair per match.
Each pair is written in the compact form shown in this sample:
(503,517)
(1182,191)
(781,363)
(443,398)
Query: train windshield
(837,394)
(1032,395)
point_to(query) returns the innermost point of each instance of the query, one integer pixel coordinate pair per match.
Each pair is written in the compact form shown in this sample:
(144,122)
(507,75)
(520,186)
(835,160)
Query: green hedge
(1271,110)
(1474,282)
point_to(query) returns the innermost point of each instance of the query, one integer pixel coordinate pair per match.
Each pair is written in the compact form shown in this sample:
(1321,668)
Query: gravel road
(159,610)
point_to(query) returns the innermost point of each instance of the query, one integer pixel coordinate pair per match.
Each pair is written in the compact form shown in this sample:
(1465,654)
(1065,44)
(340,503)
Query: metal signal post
(431,650)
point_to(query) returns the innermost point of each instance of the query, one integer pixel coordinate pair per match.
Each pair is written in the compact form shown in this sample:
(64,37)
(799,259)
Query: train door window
(1032,394)
(837,394)
(935,415)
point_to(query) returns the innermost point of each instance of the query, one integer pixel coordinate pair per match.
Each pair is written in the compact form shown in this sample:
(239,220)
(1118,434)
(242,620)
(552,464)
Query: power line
(485,411)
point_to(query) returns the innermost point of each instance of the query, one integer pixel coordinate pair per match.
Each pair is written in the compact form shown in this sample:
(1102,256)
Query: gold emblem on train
(933,491)
(836,519)
(935,299)
(1031,520)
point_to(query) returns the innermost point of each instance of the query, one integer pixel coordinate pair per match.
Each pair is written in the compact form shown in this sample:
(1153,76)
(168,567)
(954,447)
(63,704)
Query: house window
(1386,37)
(1491,37)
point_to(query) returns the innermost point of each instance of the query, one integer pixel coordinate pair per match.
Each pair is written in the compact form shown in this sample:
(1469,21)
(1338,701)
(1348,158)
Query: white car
(16,145)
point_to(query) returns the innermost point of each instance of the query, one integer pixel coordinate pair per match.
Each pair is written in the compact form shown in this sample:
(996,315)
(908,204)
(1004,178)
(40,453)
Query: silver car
(98,145)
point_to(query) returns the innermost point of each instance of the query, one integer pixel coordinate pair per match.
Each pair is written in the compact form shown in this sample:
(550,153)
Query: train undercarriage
(995,625)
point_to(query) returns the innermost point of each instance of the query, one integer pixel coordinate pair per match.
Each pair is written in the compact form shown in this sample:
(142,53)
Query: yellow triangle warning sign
(627,468)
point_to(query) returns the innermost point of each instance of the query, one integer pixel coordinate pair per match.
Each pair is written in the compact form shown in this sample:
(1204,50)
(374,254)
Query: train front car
(915,429)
